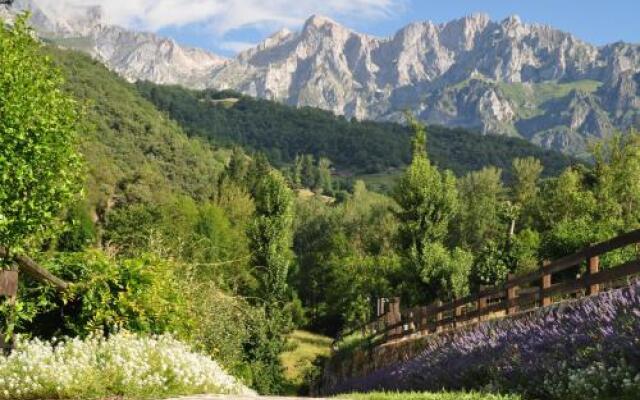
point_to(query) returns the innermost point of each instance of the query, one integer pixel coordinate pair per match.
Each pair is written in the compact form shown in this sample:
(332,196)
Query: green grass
(305,347)
(427,396)
(382,182)
(529,98)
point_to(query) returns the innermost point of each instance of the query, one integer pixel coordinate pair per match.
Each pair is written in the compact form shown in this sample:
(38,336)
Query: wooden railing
(9,283)
(519,293)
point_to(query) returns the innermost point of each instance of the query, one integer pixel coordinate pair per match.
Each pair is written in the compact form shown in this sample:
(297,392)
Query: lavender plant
(588,348)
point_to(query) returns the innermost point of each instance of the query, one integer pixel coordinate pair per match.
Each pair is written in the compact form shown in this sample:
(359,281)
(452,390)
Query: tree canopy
(40,168)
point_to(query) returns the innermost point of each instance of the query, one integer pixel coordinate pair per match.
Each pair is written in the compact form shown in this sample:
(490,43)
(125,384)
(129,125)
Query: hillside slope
(132,151)
(282,132)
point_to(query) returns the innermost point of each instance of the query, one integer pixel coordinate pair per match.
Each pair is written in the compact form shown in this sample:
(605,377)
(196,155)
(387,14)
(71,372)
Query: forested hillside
(132,151)
(283,132)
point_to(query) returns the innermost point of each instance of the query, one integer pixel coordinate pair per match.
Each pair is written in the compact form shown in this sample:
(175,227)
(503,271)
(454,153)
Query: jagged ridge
(459,73)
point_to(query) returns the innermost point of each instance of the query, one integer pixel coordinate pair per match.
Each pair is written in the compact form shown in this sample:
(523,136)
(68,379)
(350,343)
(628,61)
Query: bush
(122,365)
(141,294)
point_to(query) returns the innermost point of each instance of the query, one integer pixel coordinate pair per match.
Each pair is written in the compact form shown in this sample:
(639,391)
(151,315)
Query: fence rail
(9,284)
(518,294)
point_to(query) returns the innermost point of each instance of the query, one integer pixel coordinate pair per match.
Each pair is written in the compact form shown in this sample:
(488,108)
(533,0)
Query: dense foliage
(284,133)
(584,349)
(443,237)
(160,241)
(39,165)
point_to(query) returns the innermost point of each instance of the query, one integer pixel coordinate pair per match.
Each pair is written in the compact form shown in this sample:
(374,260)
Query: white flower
(125,363)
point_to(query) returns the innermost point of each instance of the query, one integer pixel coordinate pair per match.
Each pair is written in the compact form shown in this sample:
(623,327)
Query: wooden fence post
(438,317)
(593,268)
(546,284)
(412,322)
(8,293)
(482,304)
(457,314)
(396,317)
(512,295)
(424,319)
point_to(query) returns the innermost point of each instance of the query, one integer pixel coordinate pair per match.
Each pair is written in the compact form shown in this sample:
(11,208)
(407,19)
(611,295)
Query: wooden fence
(536,289)
(9,283)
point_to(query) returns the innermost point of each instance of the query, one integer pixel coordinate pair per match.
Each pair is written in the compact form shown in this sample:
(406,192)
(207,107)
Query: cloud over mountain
(223,16)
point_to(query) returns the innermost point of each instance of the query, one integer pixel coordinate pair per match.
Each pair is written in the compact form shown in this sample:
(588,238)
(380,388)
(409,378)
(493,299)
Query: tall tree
(482,197)
(428,203)
(39,165)
(324,182)
(617,173)
(427,198)
(309,174)
(270,235)
(527,172)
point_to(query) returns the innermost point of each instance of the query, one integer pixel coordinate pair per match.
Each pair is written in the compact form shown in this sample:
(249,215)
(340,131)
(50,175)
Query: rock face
(133,55)
(502,77)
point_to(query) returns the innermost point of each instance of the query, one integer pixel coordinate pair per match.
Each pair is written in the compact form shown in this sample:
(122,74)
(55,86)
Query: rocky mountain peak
(320,28)
(318,21)
(504,77)
(461,34)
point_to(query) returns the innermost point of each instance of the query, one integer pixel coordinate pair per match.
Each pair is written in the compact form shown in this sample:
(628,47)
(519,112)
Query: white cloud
(236,47)
(223,16)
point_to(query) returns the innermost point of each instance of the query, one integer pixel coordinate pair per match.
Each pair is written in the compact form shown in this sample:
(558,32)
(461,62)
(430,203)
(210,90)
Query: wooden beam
(34,270)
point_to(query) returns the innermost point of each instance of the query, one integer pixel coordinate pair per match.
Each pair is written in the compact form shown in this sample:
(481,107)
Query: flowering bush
(589,348)
(124,364)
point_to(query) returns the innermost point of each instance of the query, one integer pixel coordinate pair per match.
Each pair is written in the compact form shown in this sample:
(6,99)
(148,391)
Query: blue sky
(226,26)
(595,21)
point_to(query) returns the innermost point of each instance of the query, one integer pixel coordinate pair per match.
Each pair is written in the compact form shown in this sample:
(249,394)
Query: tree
(527,172)
(270,235)
(617,173)
(39,165)
(427,198)
(309,174)
(324,175)
(482,198)
(428,203)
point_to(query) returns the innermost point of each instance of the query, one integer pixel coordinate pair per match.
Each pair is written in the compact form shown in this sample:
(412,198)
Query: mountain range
(506,77)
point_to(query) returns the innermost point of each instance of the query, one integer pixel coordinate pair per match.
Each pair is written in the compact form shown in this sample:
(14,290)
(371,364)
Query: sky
(228,26)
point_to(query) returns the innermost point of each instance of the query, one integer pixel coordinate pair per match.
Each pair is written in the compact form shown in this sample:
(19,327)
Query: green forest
(284,133)
(184,213)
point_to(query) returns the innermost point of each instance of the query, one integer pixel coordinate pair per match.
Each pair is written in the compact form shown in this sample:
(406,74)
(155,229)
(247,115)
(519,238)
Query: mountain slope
(471,72)
(452,74)
(283,132)
(133,55)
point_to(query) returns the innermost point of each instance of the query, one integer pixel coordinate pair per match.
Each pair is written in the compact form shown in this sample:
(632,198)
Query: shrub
(140,294)
(123,364)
